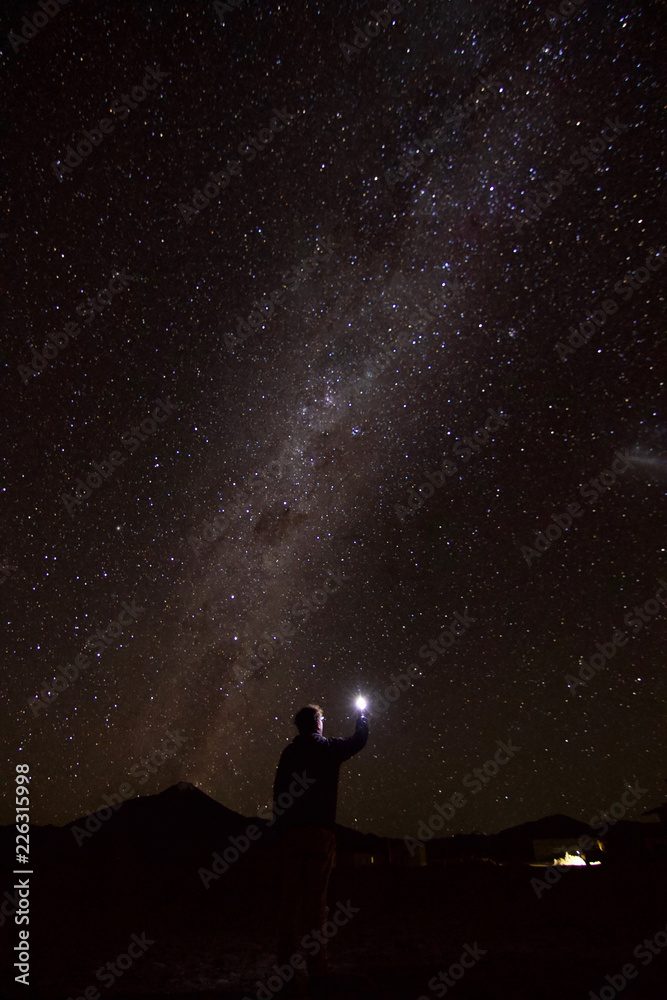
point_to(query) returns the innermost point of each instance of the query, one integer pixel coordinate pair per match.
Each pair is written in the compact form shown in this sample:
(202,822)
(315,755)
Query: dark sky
(444,291)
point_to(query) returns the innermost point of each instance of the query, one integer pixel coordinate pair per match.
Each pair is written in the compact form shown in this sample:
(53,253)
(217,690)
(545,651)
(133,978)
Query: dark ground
(412,922)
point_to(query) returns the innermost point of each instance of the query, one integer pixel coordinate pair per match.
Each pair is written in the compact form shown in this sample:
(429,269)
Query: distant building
(548,850)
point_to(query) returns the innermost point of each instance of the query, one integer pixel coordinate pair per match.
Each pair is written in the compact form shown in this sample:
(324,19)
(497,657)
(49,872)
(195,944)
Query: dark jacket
(307,774)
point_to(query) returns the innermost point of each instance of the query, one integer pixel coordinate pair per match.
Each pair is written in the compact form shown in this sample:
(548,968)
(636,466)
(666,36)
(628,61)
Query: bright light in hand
(360,703)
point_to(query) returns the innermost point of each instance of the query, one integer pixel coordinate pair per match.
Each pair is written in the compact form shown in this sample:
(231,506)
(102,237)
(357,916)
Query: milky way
(462,227)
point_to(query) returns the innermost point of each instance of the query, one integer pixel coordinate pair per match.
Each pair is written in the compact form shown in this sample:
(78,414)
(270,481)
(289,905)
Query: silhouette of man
(306,828)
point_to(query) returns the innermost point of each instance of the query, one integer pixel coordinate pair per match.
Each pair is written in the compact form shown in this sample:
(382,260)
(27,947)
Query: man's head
(309,719)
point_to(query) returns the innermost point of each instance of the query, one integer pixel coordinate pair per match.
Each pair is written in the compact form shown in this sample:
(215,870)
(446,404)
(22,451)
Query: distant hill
(547,828)
(179,824)
(183,826)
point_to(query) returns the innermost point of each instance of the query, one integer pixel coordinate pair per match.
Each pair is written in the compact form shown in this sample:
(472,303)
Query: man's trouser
(307,856)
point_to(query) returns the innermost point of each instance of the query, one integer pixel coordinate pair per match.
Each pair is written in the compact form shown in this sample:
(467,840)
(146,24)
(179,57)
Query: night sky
(241,451)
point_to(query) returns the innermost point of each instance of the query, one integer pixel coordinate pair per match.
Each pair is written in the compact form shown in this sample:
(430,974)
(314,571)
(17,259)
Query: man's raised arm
(346,747)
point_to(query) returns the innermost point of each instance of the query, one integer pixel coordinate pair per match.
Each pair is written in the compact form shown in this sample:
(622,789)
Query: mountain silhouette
(183,826)
(178,825)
